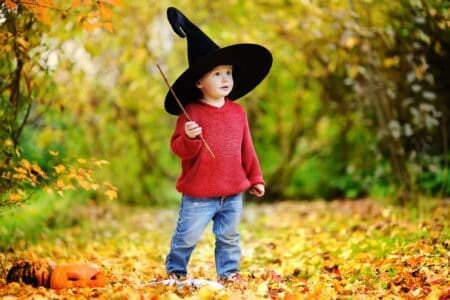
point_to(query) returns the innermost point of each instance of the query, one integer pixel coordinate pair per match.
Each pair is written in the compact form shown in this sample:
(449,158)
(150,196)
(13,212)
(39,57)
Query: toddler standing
(212,187)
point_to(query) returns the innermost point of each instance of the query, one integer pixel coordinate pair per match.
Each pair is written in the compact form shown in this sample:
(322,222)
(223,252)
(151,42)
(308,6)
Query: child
(212,185)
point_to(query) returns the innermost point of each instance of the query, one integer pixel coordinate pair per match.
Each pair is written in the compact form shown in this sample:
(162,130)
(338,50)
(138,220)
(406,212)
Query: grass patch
(38,219)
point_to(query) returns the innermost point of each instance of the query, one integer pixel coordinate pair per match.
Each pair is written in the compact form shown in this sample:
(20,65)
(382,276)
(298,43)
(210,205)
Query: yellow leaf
(420,71)
(22,42)
(26,164)
(70,187)
(262,289)
(53,153)
(21,170)
(84,184)
(8,143)
(206,293)
(59,169)
(99,163)
(82,161)
(39,171)
(350,42)
(438,48)
(391,62)
(60,184)
(111,194)
(353,71)
(20,177)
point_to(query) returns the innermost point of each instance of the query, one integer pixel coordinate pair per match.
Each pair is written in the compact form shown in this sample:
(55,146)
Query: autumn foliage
(355,105)
(99,16)
(23,106)
(291,250)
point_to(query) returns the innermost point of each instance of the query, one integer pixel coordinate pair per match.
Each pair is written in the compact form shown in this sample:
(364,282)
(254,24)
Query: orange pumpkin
(77,275)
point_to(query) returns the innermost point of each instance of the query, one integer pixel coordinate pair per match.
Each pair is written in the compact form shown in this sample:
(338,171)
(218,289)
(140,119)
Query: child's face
(217,83)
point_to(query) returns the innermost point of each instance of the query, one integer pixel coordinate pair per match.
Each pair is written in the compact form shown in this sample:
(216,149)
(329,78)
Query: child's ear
(198,84)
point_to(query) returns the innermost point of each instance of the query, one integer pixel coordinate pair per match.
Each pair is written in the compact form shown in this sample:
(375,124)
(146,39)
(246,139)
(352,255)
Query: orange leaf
(108,26)
(90,27)
(105,12)
(77,3)
(14,197)
(39,8)
(435,280)
(445,295)
(289,296)
(10,4)
(112,2)
(414,261)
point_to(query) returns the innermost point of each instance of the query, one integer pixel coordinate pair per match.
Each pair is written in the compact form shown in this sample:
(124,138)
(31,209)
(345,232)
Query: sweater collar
(213,108)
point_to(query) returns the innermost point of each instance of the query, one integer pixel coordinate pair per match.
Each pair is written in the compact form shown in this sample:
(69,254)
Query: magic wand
(182,108)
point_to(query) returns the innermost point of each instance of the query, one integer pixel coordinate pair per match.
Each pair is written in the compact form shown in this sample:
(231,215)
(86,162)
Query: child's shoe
(234,279)
(176,276)
(173,279)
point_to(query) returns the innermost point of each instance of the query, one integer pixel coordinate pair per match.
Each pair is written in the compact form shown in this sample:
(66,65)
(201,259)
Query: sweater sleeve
(250,160)
(181,144)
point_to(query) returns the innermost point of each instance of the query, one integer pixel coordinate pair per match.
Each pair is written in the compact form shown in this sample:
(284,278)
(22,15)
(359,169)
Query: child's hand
(258,190)
(192,129)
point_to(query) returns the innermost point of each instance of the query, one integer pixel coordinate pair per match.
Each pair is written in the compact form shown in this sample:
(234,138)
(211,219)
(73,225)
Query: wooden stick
(182,108)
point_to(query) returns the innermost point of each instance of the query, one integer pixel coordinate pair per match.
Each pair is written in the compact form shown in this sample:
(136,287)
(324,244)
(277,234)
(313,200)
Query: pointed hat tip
(177,20)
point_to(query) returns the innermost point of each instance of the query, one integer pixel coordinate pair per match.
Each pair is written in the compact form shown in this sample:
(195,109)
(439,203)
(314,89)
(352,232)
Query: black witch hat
(251,63)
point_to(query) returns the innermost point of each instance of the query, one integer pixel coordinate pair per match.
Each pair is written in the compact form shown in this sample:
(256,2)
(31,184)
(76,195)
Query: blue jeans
(194,215)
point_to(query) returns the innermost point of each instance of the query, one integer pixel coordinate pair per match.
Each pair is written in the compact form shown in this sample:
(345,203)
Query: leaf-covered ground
(317,250)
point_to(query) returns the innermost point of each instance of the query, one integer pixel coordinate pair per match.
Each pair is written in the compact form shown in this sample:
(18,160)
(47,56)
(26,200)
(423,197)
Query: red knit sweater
(225,129)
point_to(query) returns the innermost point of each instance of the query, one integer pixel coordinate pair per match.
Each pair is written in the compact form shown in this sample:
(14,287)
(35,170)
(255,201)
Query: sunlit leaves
(39,8)
(82,176)
(100,17)
(30,176)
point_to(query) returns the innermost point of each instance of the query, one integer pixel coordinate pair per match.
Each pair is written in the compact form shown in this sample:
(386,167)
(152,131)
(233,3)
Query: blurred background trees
(356,105)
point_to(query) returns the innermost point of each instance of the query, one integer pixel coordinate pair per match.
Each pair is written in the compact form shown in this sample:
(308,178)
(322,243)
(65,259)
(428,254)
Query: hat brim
(251,63)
